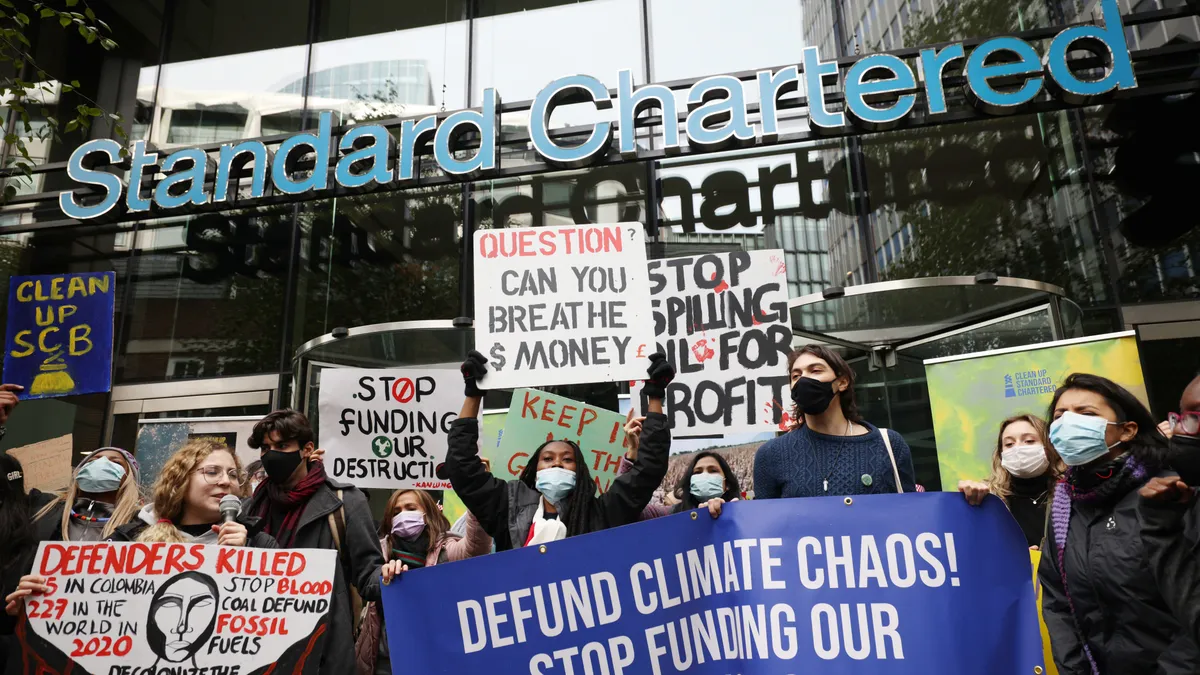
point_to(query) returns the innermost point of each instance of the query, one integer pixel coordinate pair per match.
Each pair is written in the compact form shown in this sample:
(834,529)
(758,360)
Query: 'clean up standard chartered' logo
(1028,383)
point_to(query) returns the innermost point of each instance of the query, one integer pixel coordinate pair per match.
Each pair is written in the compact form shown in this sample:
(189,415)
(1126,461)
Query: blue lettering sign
(878,584)
(1003,75)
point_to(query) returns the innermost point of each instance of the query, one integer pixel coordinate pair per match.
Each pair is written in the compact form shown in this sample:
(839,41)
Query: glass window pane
(234,70)
(697,38)
(377,258)
(600,195)
(403,73)
(208,295)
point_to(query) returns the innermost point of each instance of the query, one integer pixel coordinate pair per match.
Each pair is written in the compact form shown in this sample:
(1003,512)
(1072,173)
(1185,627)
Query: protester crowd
(1095,483)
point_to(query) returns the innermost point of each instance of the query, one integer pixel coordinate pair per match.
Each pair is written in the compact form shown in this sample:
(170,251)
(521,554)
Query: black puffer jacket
(505,509)
(1119,607)
(1169,533)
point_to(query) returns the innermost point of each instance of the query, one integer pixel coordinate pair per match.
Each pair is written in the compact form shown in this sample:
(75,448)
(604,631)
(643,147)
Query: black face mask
(280,465)
(812,396)
(1184,457)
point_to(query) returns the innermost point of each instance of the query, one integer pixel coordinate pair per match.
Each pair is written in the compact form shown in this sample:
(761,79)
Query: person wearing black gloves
(835,451)
(555,496)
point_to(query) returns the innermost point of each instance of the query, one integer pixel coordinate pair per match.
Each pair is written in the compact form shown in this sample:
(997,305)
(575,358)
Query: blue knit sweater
(797,463)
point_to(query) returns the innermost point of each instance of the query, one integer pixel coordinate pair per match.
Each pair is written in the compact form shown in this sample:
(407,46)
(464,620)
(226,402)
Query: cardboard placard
(135,608)
(562,305)
(388,428)
(46,465)
(722,320)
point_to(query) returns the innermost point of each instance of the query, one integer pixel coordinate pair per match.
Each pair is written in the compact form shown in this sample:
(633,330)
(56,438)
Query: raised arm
(483,494)
(630,492)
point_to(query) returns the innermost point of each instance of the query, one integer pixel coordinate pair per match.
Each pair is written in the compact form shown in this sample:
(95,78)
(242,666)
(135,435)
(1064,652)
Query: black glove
(660,373)
(473,370)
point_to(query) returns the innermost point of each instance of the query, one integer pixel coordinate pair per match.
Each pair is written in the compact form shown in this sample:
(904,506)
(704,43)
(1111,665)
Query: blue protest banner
(60,333)
(880,584)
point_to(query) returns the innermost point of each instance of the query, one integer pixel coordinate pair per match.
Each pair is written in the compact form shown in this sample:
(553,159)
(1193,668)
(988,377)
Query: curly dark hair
(683,490)
(581,499)
(1148,446)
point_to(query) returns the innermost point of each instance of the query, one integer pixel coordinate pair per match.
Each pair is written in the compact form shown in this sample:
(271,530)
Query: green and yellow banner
(970,395)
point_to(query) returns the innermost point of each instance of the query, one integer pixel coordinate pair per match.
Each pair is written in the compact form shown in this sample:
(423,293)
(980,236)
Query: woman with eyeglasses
(186,508)
(555,496)
(186,505)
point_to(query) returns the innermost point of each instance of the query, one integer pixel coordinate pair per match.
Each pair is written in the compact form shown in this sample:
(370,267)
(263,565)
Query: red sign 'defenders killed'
(143,608)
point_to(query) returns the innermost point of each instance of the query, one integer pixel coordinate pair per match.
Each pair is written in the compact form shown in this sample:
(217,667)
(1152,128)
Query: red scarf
(290,502)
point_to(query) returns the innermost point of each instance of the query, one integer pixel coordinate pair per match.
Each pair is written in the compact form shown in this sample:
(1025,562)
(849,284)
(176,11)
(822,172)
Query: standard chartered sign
(880,90)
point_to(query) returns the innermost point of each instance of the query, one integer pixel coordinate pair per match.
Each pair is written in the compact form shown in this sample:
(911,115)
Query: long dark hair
(16,525)
(1148,446)
(683,490)
(579,501)
(840,369)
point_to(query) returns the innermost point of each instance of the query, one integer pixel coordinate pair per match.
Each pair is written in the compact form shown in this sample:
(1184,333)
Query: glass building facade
(212,307)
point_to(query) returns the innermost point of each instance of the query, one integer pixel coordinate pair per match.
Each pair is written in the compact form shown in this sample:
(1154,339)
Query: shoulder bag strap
(892,456)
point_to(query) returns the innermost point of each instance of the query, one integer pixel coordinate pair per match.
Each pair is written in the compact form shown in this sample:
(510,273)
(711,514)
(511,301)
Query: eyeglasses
(212,474)
(1188,423)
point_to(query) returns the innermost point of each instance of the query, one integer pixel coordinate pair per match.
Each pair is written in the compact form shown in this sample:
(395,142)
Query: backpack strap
(337,527)
(887,442)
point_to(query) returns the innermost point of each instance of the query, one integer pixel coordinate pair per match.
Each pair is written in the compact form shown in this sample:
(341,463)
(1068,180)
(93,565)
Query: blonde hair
(129,502)
(172,486)
(1000,480)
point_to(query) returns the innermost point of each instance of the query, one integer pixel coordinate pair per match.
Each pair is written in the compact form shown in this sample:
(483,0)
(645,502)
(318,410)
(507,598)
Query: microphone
(230,507)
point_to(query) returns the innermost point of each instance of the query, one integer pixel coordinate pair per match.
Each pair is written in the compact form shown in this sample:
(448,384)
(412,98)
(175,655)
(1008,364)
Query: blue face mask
(100,475)
(555,483)
(1079,439)
(706,486)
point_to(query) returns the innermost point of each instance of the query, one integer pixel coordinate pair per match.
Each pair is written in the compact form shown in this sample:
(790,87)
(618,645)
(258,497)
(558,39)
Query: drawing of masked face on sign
(182,616)
(153,608)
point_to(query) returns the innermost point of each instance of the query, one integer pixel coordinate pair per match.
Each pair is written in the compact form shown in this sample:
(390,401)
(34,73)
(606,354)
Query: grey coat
(359,561)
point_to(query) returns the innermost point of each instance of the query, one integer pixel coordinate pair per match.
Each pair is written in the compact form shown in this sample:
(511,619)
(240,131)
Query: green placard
(536,416)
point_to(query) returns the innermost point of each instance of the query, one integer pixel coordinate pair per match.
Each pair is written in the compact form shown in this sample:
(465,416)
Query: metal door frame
(219,392)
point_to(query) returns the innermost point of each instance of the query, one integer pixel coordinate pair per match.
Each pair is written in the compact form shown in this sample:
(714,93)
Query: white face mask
(1025,461)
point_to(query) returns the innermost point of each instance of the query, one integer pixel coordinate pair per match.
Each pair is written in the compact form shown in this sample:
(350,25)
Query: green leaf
(47,13)
(64,20)
(75,83)
(90,14)
(108,44)
(72,3)
(10,139)
(95,112)
(67,88)
(22,19)
(104,25)
(8,4)
(24,40)
(10,191)
(72,125)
